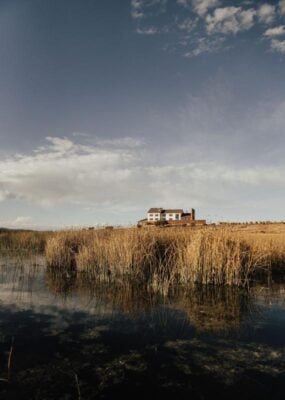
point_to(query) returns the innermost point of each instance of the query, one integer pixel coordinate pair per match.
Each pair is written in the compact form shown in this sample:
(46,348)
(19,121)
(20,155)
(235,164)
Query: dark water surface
(70,338)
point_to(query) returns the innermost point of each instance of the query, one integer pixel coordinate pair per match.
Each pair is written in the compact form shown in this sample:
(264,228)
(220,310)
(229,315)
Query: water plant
(159,256)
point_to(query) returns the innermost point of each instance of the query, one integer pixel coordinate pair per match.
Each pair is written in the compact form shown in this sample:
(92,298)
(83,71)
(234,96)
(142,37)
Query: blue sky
(109,107)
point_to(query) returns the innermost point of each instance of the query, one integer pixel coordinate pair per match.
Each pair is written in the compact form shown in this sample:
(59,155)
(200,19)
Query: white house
(161,214)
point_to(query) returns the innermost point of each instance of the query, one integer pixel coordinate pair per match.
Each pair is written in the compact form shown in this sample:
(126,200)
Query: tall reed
(160,256)
(22,241)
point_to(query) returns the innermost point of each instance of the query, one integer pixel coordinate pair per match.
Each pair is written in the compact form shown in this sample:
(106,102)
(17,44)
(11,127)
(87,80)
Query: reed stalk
(159,256)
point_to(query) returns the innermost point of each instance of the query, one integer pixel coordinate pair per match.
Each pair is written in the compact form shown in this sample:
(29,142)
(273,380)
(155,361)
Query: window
(177,216)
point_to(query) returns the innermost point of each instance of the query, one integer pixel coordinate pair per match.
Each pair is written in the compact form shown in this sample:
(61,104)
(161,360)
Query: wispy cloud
(201,7)
(147,31)
(282,7)
(187,24)
(230,20)
(276,31)
(143,8)
(125,142)
(212,25)
(63,172)
(18,222)
(266,13)
(205,45)
(278,45)
(137,9)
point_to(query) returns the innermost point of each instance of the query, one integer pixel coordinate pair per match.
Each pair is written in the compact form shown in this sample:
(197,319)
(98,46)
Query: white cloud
(147,31)
(137,9)
(187,24)
(212,17)
(142,8)
(201,7)
(230,20)
(23,220)
(119,178)
(18,222)
(63,171)
(282,7)
(205,45)
(278,46)
(266,13)
(276,31)
(120,142)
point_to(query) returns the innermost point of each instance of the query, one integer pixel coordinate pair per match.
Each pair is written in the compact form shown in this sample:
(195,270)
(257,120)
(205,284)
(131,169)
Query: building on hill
(172,216)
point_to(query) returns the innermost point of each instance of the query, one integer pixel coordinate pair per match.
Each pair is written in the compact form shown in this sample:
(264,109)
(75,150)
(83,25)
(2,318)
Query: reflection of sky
(26,289)
(112,338)
(31,288)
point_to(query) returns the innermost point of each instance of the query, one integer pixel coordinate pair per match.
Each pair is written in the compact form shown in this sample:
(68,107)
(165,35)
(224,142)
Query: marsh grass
(22,241)
(162,257)
(158,257)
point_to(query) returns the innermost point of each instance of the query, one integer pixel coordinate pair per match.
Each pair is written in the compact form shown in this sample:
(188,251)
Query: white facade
(164,216)
(172,216)
(152,217)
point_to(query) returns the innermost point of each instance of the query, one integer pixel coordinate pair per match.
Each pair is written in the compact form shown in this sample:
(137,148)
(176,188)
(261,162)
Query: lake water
(70,338)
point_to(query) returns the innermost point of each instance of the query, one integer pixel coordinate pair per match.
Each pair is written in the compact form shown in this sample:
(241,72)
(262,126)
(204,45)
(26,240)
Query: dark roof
(169,210)
(155,210)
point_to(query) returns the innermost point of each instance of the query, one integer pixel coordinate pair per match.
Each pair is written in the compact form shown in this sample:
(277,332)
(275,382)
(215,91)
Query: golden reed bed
(223,255)
(22,241)
(158,256)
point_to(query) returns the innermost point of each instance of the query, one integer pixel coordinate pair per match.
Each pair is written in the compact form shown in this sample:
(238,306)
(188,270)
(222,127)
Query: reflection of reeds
(207,308)
(61,282)
(212,309)
(77,386)
(160,257)
(128,297)
(9,364)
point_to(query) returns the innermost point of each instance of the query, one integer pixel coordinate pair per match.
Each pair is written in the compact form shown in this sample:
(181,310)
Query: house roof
(155,210)
(169,210)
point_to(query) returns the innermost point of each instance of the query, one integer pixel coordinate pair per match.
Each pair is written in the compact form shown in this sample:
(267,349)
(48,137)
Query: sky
(108,108)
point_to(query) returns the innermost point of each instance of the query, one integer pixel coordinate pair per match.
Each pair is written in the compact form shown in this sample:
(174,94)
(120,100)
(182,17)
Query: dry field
(269,228)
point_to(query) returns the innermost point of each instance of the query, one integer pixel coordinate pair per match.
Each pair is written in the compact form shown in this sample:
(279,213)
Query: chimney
(192,214)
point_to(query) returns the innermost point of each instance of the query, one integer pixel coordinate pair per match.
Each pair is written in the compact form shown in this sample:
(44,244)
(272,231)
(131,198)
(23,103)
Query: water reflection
(74,338)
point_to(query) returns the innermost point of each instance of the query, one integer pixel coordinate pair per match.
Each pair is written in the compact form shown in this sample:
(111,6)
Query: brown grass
(157,256)
(22,241)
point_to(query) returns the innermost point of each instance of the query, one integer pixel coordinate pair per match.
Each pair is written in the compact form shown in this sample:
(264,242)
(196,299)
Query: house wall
(172,216)
(152,217)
